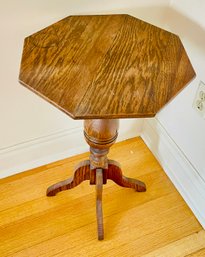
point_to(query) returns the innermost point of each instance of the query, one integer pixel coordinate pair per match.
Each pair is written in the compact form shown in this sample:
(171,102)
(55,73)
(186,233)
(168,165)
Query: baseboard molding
(182,173)
(59,145)
(40,151)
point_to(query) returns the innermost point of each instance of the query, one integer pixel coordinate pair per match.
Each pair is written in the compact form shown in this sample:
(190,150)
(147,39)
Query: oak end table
(101,68)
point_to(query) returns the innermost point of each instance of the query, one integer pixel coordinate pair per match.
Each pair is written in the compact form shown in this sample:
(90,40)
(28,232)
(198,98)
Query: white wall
(177,135)
(33,132)
(193,9)
(181,121)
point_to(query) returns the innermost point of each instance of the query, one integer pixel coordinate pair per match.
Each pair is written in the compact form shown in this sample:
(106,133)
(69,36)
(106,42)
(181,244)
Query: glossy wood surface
(101,132)
(84,172)
(100,135)
(156,223)
(81,173)
(99,211)
(105,66)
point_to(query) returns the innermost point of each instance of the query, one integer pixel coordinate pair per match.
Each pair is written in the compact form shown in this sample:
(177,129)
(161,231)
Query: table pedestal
(100,134)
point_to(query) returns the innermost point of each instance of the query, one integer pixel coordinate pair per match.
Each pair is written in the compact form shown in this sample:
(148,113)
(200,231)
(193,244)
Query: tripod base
(100,135)
(98,177)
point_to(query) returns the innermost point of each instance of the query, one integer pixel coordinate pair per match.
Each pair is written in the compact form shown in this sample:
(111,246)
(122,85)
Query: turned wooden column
(100,134)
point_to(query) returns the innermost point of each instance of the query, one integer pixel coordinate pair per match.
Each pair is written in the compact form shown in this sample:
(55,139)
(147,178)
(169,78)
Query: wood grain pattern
(192,245)
(105,66)
(33,225)
(199,253)
(99,211)
(114,173)
(81,173)
(84,172)
(100,135)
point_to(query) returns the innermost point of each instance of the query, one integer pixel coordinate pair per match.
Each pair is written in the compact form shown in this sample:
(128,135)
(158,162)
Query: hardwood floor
(157,223)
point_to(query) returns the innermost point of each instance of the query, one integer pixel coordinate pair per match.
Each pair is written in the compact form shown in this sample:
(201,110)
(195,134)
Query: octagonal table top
(105,66)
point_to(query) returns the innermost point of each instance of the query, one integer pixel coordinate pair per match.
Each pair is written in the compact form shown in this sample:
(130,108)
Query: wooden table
(100,68)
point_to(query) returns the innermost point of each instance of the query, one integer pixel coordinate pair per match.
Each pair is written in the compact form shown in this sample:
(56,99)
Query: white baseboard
(54,147)
(182,173)
(40,151)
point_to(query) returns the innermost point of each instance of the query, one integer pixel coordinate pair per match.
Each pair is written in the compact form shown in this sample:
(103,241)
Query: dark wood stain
(105,66)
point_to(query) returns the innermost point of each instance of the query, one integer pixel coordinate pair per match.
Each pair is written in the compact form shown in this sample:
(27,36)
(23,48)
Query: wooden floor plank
(155,223)
(190,244)
(200,253)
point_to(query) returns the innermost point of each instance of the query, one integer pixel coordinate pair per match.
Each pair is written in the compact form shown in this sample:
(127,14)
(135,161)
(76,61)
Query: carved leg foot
(99,212)
(81,173)
(114,173)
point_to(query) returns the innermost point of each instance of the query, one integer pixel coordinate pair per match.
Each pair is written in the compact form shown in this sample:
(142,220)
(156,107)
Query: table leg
(114,173)
(99,212)
(81,173)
